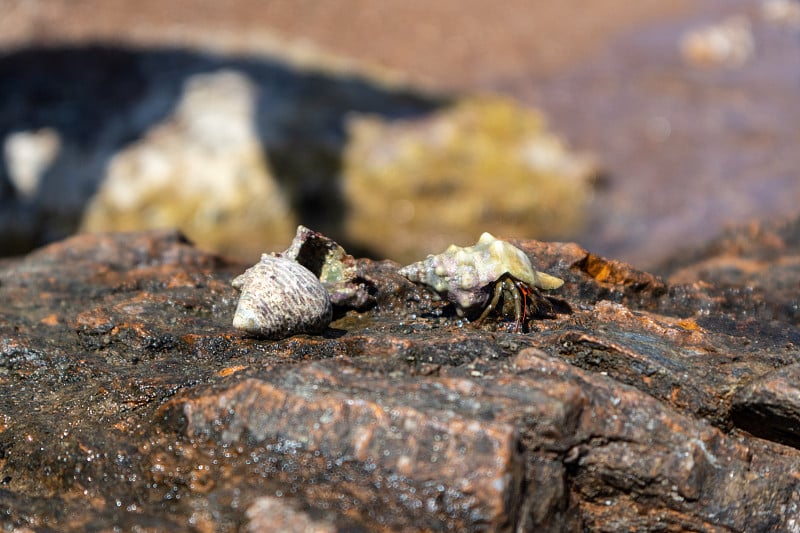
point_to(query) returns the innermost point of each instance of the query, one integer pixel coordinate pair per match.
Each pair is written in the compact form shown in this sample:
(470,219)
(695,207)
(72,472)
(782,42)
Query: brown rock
(407,428)
(769,406)
(267,514)
(627,448)
(128,401)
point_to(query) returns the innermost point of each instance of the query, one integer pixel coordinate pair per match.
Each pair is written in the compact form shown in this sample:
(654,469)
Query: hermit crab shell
(463,275)
(280,298)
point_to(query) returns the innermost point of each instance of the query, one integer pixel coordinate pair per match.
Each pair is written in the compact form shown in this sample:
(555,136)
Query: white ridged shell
(280,298)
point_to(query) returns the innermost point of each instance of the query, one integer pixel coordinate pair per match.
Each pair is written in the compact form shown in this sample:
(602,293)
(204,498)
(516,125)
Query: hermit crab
(476,278)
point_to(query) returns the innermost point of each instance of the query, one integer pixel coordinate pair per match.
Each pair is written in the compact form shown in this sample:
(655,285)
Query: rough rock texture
(128,401)
(484,164)
(758,261)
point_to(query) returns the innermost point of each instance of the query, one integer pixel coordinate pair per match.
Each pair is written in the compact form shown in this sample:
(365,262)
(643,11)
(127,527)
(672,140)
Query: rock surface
(128,401)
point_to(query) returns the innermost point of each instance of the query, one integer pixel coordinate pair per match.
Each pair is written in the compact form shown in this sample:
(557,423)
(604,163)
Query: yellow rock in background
(484,164)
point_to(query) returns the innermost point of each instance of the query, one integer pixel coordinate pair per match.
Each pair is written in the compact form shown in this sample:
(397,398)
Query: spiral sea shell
(280,298)
(465,275)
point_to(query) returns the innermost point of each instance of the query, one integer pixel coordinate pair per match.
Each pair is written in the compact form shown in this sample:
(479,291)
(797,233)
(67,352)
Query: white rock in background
(28,155)
(203,171)
(785,12)
(728,43)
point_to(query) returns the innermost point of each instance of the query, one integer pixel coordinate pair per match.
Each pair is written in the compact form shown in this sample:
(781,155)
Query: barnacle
(475,278)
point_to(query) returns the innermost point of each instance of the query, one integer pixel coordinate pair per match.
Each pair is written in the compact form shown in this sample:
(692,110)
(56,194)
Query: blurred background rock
(480,163)
(374,122)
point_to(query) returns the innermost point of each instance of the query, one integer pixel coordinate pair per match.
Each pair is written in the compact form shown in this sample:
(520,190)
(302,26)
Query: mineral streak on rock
(280,298)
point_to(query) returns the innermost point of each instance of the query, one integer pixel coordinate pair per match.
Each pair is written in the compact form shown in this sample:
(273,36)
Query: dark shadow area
(778,424)
(98,99)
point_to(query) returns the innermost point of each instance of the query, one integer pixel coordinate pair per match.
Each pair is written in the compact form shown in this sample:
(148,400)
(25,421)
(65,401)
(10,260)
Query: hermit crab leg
(519,312)
(512,288)
(498,290)
(524,291)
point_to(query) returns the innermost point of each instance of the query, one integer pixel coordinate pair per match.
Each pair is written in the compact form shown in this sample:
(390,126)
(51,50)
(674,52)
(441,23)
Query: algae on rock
(484,164)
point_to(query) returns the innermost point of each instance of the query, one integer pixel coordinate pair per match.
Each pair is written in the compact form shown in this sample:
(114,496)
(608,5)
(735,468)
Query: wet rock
(409,428)
(754,266)
(484,164)
(626,447)
(769,406)
(128,400)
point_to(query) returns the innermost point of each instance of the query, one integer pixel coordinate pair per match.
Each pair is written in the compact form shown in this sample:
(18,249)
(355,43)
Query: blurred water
(689,149)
